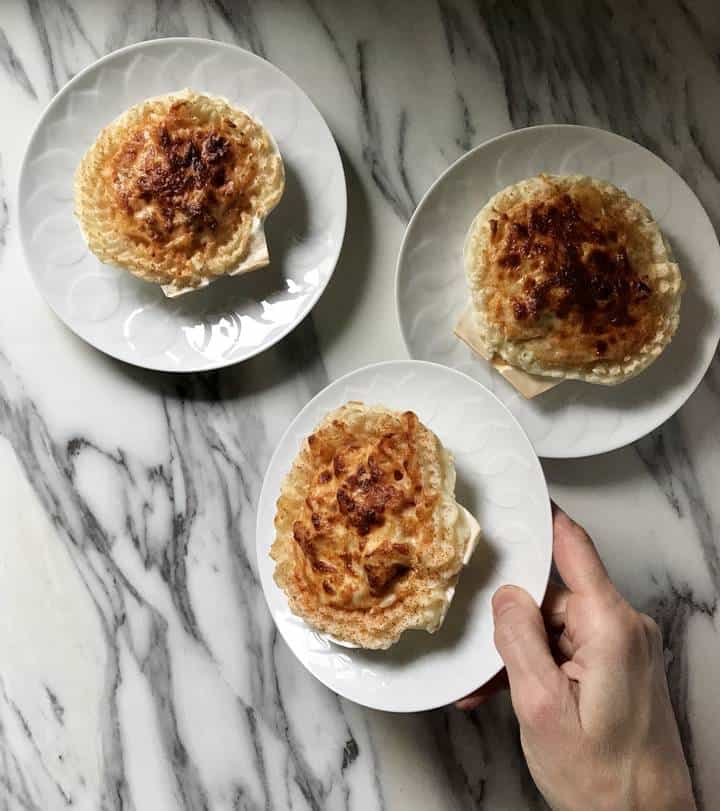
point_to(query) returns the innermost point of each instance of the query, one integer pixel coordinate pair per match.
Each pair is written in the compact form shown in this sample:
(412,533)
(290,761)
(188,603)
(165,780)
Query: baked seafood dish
(176,191)
(570,278)
(370,540)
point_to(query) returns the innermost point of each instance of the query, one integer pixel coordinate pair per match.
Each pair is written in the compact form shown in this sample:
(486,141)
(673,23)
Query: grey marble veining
(139,668)
(13,67)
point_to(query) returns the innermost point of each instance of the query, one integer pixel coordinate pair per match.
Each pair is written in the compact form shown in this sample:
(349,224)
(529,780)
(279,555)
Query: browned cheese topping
(367,501)
(566,267)
(179,180)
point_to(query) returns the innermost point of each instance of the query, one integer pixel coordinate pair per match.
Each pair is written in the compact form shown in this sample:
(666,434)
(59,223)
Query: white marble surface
(139,668)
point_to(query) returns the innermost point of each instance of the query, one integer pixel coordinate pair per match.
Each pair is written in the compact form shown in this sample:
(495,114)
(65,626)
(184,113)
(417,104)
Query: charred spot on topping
(338,465)
(164,138)
(327,588)
(375,472)
(303,538)
(510,260)
(325,477)
(520,309)
(385,565)
(381,576)
(322,566)
(345,502)
(363,502)
(601,347)
(367,518)
(316,521)
(218,177)
(369,487)
(493,227)
(306,540)
(214,148)
(183,164)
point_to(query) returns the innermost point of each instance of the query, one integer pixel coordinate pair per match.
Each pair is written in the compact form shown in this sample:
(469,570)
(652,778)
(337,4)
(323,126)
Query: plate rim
(688,392)
(264,496)
(22,226)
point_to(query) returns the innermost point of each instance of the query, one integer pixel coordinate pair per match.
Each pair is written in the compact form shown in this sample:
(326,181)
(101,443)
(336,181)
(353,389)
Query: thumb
(522,642)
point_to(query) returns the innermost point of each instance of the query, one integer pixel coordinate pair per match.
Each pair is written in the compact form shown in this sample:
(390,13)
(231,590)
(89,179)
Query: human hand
(596,723)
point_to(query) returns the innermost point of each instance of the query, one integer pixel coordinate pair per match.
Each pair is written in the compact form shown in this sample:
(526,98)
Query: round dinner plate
(573,419)
(235,317)
(499,479)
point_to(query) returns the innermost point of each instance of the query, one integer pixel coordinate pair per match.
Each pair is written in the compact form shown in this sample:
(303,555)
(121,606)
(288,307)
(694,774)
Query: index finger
(576,558)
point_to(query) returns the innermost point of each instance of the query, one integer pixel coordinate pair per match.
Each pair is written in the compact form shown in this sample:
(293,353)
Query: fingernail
(503,600)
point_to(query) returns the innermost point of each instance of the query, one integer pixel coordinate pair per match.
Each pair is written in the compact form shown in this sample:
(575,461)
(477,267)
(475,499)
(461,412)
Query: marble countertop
(139,667)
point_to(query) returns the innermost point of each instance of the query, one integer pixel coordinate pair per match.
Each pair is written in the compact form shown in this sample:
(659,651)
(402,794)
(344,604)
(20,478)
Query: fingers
(554,607)
(539,689)
(572,670)
(553,611)
(576,558)
(498,683)
(565,645)
(521,640)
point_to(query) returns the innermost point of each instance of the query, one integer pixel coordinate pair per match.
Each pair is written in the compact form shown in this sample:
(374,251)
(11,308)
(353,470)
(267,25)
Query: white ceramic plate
(234,318)
(574,419)
(499,479)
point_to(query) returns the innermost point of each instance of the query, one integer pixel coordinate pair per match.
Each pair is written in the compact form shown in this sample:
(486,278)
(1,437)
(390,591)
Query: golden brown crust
(191,179)
(572,277)
(175,189)
(368,539)
(569,257)
(359,490)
